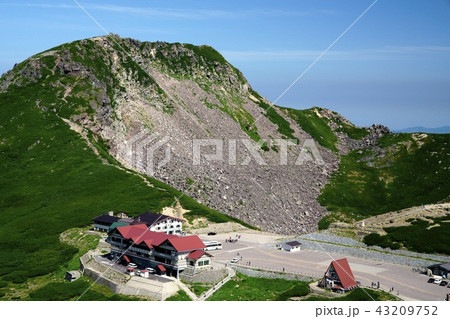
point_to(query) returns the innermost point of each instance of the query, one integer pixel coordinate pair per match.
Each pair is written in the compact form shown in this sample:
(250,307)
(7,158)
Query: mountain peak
(121,91)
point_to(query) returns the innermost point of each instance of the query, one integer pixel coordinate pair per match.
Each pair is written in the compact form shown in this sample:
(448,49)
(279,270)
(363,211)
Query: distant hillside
(421,129)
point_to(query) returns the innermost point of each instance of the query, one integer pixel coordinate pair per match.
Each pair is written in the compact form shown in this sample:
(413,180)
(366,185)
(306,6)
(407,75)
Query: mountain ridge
(117,88)
(153,99)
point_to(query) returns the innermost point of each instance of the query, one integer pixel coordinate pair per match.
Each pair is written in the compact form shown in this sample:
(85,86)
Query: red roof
(344,273)
(187,243)
(196,254)
(161,268)
(140,233)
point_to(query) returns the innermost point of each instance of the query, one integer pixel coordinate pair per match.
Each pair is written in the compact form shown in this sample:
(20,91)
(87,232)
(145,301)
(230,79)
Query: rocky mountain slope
(166,109)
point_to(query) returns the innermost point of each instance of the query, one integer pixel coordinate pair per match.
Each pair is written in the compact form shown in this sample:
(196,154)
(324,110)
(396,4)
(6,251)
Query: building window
(206,262)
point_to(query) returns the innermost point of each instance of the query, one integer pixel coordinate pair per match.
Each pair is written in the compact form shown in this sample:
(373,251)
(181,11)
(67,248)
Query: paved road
(260,251)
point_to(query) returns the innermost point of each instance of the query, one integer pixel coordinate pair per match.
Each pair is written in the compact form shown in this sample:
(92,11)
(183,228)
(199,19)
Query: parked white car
(234,260)
(437,281)
(150,270)
(132,265)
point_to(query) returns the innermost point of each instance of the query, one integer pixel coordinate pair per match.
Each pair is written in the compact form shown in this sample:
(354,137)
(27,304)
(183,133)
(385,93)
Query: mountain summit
(185,116)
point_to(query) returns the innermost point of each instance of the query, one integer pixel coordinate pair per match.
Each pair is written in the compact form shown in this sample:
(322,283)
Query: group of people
(376,285)
(233,240)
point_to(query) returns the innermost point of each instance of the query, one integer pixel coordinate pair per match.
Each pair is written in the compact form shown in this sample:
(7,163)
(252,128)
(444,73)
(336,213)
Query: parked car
(211,233)
(443,283)
(448,286)
(437,281)
(431,281)
(234,260)
(132,265)
(150,270)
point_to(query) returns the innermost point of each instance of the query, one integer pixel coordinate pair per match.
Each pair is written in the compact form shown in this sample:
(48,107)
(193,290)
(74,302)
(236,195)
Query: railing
(164,255)
(143,251)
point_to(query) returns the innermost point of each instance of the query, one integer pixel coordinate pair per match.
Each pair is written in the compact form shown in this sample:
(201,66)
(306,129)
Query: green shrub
(247,288)
(417,235)
(315,126)
(17,276)
(356,133)
(325,222)
(382,241)
(359,294)
(299,290)
(81,289)
(181,295)
(283,126)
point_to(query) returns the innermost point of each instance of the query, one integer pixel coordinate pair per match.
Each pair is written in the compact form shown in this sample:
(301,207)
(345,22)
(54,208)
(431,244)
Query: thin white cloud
(415,49)
(306,55)
(205,13)
(39,5)
(173,12)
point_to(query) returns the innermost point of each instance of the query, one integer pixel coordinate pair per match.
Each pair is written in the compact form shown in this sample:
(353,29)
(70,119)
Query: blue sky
(392,67)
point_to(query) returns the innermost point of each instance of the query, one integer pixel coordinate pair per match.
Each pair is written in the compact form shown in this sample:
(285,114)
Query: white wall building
(291,246)
(161,223)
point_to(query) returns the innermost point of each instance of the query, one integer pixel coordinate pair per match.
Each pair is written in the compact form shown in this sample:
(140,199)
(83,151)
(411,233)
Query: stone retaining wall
(124,284)
(213,276)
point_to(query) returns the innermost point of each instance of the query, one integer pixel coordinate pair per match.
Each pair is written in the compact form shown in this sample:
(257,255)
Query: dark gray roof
(293,243)
(105,219)
(445,266)
(152,218)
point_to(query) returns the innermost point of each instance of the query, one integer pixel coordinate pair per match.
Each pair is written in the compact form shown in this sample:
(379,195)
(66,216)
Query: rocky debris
(376,131)
(186,94)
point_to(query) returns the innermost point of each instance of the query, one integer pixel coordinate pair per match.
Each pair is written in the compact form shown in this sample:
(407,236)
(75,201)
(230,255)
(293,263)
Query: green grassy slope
(359,294)
(315,126)
(245,288)
(50,180)
(417,236)
(406,172)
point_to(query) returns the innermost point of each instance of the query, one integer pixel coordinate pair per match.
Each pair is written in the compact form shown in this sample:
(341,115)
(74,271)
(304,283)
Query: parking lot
(258,250)
(123,268)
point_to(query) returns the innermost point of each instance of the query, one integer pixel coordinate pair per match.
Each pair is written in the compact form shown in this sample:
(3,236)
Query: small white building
(291,246)
(161,223)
